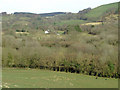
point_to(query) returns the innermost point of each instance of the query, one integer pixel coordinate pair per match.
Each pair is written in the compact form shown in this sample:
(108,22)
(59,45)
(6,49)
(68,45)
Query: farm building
(47,31)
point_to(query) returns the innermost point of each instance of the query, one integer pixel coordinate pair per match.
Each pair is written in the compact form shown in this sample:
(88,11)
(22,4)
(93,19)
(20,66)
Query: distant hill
(90,14)
(52,14)
(100,11)
(42,14)
(23,13)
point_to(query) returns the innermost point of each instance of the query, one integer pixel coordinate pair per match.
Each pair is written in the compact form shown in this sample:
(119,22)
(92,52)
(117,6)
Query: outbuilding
(47,31)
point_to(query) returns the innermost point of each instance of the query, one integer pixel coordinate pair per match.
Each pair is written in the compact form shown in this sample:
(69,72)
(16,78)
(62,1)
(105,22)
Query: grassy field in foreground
(35,78)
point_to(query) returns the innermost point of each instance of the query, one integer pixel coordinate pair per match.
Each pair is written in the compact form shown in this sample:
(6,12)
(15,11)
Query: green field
(101,10)
(35,78)
(70,22)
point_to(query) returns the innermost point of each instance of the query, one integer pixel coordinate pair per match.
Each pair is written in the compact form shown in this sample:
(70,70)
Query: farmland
(102,10)
(79,49)
(35,78)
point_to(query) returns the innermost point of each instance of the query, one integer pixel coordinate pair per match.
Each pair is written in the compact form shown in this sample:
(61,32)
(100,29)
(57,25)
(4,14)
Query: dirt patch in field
(22,33)
(92,23)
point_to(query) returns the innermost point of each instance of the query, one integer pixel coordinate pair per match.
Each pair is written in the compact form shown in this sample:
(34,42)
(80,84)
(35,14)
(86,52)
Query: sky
(46,6)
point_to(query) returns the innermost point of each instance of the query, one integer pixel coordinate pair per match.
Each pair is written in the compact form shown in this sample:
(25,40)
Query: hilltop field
(79,49)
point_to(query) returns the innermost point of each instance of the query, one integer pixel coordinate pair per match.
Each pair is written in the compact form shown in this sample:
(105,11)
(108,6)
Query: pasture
(101,10)
(70,22)
(36,78)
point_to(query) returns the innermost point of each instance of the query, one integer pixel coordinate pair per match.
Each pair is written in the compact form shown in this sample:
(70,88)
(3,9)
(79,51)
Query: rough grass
(35,78)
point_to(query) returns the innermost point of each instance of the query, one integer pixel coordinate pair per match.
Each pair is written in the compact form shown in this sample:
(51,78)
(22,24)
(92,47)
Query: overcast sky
(45,6)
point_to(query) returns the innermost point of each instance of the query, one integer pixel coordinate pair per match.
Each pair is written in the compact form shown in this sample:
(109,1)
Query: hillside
(99,12)
(46,20)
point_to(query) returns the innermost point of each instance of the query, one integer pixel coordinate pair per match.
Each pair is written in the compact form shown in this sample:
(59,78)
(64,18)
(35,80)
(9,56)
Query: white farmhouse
(47,32)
